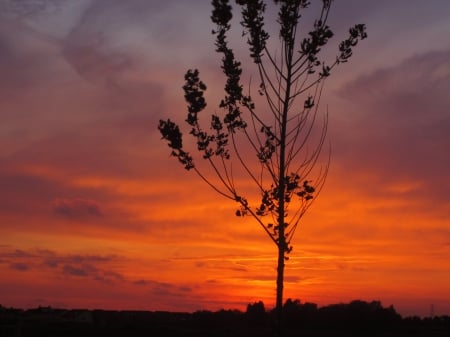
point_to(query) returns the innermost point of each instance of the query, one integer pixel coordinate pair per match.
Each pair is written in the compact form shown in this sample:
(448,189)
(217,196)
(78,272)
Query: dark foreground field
(357,318)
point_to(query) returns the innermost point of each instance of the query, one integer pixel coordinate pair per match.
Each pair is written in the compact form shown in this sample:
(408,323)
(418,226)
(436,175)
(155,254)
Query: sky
(94,213)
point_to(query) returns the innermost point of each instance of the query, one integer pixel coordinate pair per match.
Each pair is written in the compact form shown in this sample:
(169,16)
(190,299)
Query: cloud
(172,293)
(78,271)
(93,64)
(76,208)
(109,277)
(19,253)
(92,266)
(91,258)
(169,292)
(423,74)
(52,263)
(54,18)
(28,61)
(141,282)
(96,267)
(20,191)
(103,44)
(19,266)
(400,128)
(93,272)
(160,288)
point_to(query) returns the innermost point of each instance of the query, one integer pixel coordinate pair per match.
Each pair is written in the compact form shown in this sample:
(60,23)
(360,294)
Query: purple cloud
(74,208)
(399,123)
(96,267)
(19,266)
(76,271)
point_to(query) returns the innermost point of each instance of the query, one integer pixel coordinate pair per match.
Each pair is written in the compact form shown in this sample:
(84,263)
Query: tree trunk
(282,246)
(280,278)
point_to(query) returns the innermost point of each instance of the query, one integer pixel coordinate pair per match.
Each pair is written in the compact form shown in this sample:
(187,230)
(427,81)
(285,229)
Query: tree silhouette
(281,126)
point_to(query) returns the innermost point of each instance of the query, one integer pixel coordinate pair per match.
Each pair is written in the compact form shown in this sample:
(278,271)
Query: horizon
(93,209)
(432,313)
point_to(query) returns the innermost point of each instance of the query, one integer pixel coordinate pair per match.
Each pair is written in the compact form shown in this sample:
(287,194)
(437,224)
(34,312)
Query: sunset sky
(94,213)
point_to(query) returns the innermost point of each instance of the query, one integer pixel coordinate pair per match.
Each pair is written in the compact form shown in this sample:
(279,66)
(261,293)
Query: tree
(283,132)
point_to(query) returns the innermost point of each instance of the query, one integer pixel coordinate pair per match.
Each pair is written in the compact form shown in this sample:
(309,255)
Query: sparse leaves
(309,103)
(230,67)
(318,37)
(171,132)
(268,148)
(270,199)
(253,23)
(356,33)
(193,94)
(288,16)
(220,138)
(221,13)
(307,191)
(243,210)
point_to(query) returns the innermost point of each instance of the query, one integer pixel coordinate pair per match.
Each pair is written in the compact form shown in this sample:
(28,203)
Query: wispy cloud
(405,122)
(19,266)
(76,208)
(97,267)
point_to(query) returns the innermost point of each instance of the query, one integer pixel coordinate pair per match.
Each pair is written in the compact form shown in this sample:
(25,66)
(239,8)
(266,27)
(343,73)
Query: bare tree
(286,132)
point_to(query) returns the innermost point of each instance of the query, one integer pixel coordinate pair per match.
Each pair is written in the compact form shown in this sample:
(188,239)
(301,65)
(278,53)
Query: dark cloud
(19,253)
(163,288)
(77,271)
(95,267)
(91,258)
(171,295)
(109,277)
(76,208)
(92,266)
(93,272)
(52,263)
(168,291)
(185,289)
(141,282)
(20,266)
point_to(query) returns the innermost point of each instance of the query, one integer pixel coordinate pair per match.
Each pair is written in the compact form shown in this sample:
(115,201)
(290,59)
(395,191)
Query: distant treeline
(357,318)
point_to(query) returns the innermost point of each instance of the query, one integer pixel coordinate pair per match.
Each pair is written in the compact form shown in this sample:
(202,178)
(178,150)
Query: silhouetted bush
(256,313)
(298,314)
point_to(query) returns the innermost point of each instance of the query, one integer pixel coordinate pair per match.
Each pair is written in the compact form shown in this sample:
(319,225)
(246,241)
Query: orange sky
(94,213)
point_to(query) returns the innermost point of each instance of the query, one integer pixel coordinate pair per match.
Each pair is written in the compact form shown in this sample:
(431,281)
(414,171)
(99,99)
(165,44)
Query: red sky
(94,213)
